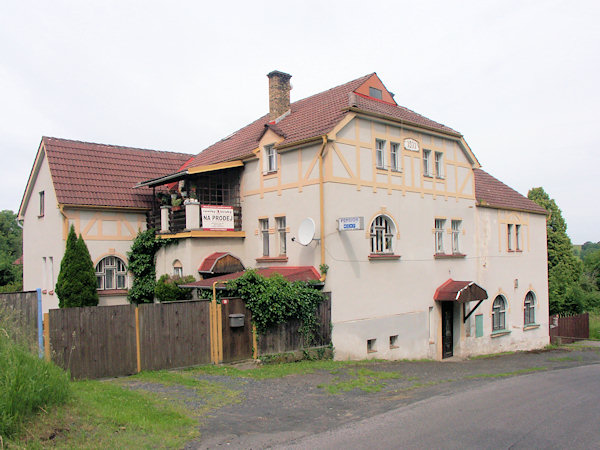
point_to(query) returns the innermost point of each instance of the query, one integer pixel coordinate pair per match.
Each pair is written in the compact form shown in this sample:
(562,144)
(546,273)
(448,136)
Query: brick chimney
(279,93)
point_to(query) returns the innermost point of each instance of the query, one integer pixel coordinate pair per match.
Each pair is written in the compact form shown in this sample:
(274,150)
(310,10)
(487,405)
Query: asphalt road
(554,409)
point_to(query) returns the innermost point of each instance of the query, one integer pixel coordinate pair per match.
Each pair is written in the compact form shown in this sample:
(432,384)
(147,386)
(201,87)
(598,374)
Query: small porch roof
(298,273)
(459,291)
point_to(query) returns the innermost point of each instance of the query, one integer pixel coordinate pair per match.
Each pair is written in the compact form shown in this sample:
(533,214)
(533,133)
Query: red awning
(459,291)
(300,273)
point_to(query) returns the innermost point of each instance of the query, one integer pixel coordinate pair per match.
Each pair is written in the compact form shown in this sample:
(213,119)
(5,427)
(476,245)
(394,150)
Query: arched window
(529,309)
(177,268)
(111,273)
(382,235)
(499,314)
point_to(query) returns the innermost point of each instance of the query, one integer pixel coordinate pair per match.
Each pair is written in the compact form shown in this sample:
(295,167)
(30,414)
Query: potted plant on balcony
(176,203)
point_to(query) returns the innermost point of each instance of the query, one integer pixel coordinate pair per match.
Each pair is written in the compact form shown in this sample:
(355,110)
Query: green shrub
(168,290)
(27,383)
(76,284)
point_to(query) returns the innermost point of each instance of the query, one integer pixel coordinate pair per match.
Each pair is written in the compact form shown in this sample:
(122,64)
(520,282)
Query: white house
(429,256)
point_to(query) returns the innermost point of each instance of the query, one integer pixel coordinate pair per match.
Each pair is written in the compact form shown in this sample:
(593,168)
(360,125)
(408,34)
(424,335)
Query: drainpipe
(322,201)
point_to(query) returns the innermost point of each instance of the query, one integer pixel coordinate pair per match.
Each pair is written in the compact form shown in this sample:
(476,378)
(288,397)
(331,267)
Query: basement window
(394,341)
(375,93)
(371,345)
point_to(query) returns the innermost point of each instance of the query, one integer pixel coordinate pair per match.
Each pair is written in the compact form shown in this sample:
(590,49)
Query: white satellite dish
(306,231)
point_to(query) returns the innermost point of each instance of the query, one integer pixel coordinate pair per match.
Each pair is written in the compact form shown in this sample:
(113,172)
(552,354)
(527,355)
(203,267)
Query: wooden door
(237,340)
(447,328)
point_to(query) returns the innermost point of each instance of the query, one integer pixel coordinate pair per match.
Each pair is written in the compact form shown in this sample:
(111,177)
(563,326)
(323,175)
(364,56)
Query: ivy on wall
(275,300)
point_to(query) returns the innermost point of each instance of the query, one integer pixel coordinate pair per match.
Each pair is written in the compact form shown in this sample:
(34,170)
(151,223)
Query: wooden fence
(286,337)
(21,308)
(564,330)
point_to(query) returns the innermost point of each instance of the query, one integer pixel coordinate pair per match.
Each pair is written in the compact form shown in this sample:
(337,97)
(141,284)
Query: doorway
(447,329)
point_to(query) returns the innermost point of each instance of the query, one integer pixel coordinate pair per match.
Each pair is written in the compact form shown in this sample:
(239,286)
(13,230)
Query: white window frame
(395,156)
(509,237)
(382,235)
(426,162)
(380,153)
(177,268)
(499,314)
(263,225)
(111,269)
(529,309)
(439,164)
(518,237)
(42,203)
(282,234)
(439,225)
(271,158)
(456,229)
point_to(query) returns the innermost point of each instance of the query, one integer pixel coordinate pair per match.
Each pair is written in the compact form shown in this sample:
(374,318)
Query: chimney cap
(277,73)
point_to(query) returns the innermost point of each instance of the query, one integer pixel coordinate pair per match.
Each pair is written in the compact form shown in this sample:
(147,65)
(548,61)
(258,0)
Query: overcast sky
(519,79)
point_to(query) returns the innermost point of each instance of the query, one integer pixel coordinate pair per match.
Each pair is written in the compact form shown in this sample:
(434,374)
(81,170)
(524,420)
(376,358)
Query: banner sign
(217,217)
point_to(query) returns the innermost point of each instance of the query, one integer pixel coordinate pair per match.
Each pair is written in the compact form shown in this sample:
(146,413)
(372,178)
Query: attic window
(375,93)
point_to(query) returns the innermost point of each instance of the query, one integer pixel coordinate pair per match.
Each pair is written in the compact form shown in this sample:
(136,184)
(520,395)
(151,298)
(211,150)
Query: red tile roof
(309,118)
(493,193)
(300,273)
(104,175)
(460,291)
(209,262)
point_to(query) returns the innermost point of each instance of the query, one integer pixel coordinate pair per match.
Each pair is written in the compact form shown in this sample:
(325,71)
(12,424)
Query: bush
(76,284)
(27,383)
(168,290)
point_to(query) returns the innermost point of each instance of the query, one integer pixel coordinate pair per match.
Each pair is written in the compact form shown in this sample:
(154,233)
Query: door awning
(459,291)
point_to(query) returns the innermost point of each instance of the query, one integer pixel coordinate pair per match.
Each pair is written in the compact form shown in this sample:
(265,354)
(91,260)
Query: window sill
(392,347)
(383,257)
(268,259)
(449,255)
(500,333)
(107,292)
(270,174)
(439,177)
(371,351)
(531,326)
(426,175)
(40,216)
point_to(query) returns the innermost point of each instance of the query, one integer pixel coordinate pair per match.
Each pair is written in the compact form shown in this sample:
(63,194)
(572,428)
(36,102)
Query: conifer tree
(76,284)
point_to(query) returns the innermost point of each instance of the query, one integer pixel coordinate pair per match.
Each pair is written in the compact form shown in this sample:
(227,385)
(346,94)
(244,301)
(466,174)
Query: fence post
(138,352)
(254,343)
(40,323)
(47,336)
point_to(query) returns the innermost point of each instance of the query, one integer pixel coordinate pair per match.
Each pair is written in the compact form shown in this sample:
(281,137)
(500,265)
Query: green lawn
(594,326)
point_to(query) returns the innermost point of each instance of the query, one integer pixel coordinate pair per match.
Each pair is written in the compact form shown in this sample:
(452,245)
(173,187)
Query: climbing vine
(275,300)
(141,264)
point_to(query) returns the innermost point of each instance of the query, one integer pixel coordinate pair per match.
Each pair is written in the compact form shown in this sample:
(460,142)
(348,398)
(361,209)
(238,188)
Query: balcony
(186,221)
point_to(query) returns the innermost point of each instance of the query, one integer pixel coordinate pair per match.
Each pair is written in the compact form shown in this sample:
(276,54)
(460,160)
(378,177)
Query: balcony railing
(178,220)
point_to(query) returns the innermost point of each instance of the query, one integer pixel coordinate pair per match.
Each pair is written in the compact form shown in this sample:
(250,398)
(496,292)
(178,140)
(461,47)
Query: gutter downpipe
(322,205)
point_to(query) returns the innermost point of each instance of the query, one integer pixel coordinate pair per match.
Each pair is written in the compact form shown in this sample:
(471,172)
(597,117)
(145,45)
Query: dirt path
(272,411)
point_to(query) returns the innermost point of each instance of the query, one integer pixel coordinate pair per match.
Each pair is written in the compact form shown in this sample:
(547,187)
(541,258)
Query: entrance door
(447,326)
(237,330)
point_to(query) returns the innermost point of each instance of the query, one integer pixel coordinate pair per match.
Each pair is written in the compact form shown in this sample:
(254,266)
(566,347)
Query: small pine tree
(76,284)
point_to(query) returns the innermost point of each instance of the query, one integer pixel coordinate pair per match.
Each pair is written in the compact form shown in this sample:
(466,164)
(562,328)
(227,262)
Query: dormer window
(271,157)
(375,93)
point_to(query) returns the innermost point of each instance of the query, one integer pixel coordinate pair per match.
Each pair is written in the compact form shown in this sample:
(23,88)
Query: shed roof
(298,273)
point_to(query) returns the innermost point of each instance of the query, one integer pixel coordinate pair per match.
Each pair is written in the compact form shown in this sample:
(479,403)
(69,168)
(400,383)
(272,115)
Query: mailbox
(236,320)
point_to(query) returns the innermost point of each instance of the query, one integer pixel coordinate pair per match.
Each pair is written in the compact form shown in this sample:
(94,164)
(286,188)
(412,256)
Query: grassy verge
(364,379)
(595,326)
(507,374)
(491,355)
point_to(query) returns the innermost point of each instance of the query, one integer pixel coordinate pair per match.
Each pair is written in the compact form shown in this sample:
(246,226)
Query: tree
(11,248)
(76,284)
(564,268)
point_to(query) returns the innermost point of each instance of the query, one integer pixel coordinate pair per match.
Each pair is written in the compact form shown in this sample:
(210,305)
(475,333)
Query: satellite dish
(306,231)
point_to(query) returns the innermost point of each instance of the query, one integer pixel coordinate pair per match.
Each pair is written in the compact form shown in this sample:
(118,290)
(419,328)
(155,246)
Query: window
(518,237)
(439,235)
(42,195)
(395,156)
(51,273)
(499,314)
(456,224)
(271,156)
(281,232)
(529,309)
(375,93)
(177,268)
(380,154)
(264,232)
(111,273)
(371,345)
(382,235)
(509,236)
(427,163)
(439,164)
(394,341)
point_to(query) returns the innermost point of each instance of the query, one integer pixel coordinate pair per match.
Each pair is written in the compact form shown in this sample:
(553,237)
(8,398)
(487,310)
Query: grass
(28,384)
(491,355)
(595,326)
(566,358)
(507,374)
(364,379)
